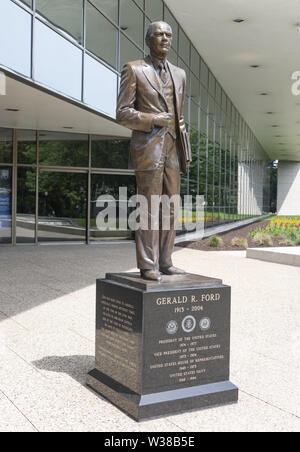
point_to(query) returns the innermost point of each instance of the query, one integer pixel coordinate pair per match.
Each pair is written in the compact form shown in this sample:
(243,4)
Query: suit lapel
(152,76)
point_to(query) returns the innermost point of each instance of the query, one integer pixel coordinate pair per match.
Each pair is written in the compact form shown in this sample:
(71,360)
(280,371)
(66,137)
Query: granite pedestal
(162,348)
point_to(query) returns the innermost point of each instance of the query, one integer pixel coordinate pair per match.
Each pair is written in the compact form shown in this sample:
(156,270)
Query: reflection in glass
(6,145)
(108,7)
(132,21)
(5,205)
(25,229)
(101,36)
(109,153)
(64,14)
(62,206)
(128,51)
(63,149)
(26,146)
(110,185)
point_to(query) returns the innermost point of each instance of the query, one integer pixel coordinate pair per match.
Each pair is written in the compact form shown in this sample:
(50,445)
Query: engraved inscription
(197,351)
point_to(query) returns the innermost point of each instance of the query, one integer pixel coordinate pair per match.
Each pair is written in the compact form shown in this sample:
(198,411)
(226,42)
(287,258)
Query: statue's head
(159,39)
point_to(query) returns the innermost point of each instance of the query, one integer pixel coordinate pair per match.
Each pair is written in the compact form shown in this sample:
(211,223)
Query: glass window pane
(186,110)
(203,123)
(203,98)
(194,138)
(172,57)
(218,93)
(128,51)
(108,153)
(102,96)
(194,115)
(63,149)
(195,88)
(101,36)
(132,21)
(26,146)
(58,63)
(140,3)
(103,184)
(5,205)
(154,9)
(212,84)
(62,206)
(211,106)
(204,74)
(184,46)
(25,231)
(65,14)
(170,19)
(6,145)
(15,37)
(195,61)
(27,2)
(109,7)
(187,71)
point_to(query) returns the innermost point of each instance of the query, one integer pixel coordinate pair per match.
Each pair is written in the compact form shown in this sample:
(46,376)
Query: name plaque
(188,339)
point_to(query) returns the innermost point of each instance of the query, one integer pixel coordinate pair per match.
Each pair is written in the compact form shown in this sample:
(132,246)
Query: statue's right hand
(162,120)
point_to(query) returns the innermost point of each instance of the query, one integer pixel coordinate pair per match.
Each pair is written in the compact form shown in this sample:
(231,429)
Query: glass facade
(229,166)
(50,183)
(5,204)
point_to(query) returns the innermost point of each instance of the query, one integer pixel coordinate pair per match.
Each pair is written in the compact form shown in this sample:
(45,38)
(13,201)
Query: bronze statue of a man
(151,103)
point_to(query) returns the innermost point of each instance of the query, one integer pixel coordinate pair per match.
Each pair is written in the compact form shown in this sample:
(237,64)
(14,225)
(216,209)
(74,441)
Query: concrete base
(140,407)
(287,256)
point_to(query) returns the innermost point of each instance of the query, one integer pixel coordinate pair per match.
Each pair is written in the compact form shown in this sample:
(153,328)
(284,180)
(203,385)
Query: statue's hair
(151,28)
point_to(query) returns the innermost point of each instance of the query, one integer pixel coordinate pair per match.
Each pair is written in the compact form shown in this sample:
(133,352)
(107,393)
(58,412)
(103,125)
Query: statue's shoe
(172,271)
(151,275)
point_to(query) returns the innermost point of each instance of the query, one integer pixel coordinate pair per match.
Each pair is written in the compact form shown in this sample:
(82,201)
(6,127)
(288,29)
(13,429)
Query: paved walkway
(47,319)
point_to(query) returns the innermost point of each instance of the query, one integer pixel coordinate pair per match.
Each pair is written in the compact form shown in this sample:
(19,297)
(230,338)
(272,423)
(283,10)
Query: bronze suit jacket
(140,98)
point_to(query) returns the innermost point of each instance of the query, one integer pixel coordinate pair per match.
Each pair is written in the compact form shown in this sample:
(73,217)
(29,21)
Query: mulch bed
(228,236)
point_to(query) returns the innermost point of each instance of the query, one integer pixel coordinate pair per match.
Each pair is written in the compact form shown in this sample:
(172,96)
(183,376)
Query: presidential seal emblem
(205,324)
(172,327)
(189,324)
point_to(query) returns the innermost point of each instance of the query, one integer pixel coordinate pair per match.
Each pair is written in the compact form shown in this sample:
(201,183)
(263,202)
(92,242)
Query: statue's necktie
(163,73)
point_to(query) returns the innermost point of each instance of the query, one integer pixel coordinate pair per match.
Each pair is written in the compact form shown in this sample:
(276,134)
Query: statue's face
(161,40)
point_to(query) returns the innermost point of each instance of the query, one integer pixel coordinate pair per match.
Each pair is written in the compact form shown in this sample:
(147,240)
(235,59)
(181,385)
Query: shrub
(240,242)
(261,238)
(256,231)
(291,237)
(215,241)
